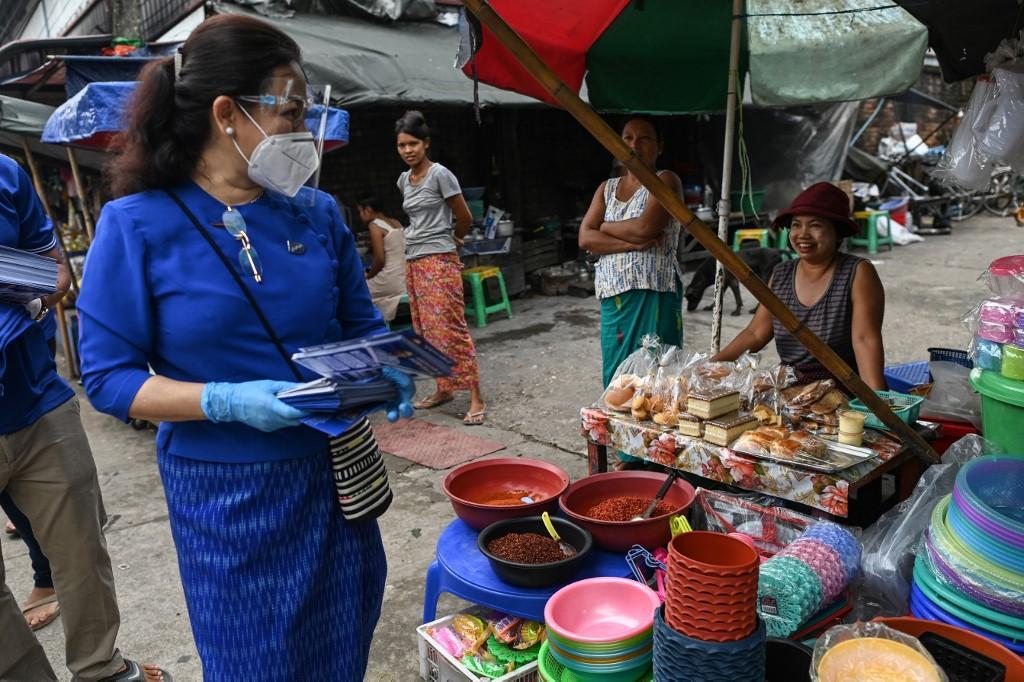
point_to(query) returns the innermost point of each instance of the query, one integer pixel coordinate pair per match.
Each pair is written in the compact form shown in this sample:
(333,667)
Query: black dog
(761,261)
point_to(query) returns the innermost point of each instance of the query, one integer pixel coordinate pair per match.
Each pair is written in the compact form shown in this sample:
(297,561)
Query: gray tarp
(21,117)
(807,51)
(368,64)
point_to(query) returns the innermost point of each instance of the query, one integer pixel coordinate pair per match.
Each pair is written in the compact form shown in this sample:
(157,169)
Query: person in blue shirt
(279,585)
(47,470)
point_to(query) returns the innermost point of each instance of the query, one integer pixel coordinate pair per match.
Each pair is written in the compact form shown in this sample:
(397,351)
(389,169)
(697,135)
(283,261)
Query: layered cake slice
(722,432)
(712,404)
(690,425)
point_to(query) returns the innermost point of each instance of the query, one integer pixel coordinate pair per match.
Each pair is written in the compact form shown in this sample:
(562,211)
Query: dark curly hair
(168,121)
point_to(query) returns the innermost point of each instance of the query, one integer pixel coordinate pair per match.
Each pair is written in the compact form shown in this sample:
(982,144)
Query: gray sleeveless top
(831,318)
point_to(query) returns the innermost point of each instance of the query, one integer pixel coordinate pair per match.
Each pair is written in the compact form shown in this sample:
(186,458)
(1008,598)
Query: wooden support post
(80,188)
(62,322)
(611,141)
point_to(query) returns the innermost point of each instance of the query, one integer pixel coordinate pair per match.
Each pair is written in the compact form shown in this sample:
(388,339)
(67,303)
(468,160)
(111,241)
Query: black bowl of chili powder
(522,553)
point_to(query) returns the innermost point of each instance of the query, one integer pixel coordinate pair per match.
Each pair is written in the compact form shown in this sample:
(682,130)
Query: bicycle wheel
(1004,194)
(965,206)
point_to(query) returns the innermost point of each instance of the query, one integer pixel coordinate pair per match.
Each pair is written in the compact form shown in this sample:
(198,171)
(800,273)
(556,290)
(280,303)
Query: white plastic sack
(901,236)
(951,396)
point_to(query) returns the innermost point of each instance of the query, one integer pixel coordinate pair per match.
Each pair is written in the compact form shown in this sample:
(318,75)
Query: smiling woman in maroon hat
(838,296)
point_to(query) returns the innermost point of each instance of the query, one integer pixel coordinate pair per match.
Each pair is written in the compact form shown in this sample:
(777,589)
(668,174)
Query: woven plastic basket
(905,407)
(788,593)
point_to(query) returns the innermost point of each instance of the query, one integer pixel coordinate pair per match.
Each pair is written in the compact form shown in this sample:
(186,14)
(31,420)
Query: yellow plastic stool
(761,236)
(478,307)
(869,237)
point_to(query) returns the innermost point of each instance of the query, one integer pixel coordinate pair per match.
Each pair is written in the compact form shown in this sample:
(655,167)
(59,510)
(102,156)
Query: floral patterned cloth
(665,446)
(438,312)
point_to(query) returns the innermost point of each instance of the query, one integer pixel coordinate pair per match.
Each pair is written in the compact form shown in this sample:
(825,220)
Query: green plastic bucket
(1002,408)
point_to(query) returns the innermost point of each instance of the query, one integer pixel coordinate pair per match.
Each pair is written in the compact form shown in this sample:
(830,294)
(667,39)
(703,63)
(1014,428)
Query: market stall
(740,578)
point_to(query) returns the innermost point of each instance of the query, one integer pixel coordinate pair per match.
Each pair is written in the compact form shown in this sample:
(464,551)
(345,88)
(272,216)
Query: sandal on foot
(428,404)
(11,530)
(52,599)
(133,672)
(474,418)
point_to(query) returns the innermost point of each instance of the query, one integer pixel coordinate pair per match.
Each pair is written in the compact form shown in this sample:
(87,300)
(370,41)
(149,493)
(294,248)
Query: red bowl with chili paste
(619,536)
(489,490)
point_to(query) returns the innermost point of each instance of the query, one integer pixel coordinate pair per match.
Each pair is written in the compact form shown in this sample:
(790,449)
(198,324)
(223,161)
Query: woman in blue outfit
(279,585)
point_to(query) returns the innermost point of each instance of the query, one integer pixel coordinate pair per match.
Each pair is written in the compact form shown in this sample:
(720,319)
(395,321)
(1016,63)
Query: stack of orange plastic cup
(711,592)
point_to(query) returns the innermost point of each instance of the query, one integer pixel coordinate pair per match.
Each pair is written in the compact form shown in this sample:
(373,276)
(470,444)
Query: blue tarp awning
(94,116)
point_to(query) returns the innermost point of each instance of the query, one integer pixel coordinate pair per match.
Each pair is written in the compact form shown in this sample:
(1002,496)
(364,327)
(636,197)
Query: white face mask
(282,163)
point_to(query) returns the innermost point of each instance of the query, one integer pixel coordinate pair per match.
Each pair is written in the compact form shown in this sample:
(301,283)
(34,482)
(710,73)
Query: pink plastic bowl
(601,610)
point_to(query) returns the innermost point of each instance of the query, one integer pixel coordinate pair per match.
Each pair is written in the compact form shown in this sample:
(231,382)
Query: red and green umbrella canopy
(652,56)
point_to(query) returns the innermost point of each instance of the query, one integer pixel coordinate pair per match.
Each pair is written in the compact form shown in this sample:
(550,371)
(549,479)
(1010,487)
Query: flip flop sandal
(474,418)
(430,404)
(133,672)
(11,530)
(52,599)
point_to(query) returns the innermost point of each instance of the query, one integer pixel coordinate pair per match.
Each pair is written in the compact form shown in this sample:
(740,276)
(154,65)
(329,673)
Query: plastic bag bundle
(872,651)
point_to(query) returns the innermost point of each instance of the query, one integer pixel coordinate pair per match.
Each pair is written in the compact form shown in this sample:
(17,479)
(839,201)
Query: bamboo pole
(62,321)
(725,203)
(674,205)
(80,187)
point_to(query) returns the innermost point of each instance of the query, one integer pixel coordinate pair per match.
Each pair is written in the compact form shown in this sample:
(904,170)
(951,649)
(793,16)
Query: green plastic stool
(761,236)
(477,307)
(783,245)
(868,221)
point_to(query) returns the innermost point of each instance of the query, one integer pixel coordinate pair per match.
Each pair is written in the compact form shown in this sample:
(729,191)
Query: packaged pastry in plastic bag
(872,651)
(636,371)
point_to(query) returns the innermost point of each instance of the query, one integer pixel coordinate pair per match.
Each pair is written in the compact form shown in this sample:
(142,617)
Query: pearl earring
(230,131)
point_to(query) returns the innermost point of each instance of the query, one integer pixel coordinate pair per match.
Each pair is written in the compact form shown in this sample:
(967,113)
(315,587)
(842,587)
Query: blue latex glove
(406,390)
(253,403)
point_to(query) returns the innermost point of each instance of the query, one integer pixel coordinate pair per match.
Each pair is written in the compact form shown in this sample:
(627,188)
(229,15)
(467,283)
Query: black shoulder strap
(241,284)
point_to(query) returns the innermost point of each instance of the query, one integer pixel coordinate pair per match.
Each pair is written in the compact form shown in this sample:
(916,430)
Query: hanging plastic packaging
(1000,134)
(962,164)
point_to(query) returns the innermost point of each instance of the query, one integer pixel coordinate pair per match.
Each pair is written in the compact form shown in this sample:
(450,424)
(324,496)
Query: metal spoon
(662,491)
(567,549)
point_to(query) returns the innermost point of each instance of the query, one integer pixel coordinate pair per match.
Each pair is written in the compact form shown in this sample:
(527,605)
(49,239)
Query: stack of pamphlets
(25,276)
(353,384)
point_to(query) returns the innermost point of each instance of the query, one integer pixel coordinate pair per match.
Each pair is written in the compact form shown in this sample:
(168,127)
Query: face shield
(290,108)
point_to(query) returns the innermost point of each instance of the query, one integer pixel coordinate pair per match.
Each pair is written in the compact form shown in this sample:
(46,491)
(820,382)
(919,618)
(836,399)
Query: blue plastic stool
(903,378)
(460,569)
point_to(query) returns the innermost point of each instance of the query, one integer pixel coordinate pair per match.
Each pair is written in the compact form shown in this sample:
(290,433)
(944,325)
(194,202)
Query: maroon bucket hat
(824,200)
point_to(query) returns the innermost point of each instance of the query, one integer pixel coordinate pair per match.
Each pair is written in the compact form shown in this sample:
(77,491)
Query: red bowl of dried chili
(526,561)
(490,490)
(611,492)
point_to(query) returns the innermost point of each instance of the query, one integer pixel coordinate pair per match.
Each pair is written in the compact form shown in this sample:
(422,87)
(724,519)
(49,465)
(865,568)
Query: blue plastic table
(459,568)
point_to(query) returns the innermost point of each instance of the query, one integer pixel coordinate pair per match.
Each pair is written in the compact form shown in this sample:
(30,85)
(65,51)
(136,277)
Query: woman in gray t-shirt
(438,219)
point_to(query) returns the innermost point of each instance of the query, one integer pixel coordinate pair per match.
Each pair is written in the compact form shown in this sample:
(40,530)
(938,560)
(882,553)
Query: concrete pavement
(537,369)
